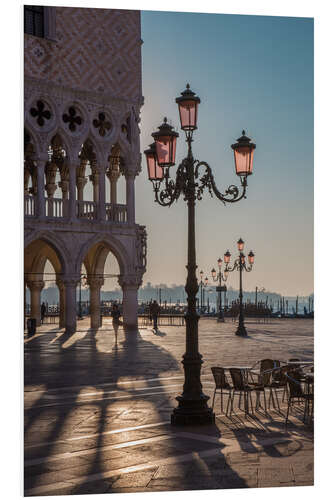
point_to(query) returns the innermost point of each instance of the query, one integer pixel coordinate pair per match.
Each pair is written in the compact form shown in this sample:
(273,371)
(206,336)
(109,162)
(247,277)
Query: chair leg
(213,399)
(277,400)
(287,413)
(228,403)
(265,400)
(221,401)
(251,403)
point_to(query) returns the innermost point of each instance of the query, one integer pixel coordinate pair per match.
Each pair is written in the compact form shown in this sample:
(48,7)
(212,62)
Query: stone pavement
(97,412)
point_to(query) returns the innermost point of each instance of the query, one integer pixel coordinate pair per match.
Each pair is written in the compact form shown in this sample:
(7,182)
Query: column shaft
(130,198)
(40,188)
(70,308)
(101,201)
(72,192)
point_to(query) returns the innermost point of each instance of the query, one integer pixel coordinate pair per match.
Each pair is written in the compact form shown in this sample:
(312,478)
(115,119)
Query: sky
(253,73)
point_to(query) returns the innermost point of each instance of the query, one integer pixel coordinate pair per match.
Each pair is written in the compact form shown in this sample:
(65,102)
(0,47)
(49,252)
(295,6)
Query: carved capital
(81,182)
(35,286)
(95,282)
(130,281)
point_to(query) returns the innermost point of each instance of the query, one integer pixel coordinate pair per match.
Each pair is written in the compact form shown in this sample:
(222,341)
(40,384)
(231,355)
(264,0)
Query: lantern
(155,172)
(240,244)
(251,258)
(188,104)
(243,153)
(206,281)
(165,142)
(219,262)
(227,256)
(213,273)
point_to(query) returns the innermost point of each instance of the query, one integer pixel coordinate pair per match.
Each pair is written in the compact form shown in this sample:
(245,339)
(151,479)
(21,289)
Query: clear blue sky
(251,72)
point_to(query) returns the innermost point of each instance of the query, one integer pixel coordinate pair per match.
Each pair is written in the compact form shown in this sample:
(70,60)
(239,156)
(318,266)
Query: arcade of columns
(64,140)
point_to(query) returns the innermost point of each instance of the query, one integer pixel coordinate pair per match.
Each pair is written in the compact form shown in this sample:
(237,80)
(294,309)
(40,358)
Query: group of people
(154,311)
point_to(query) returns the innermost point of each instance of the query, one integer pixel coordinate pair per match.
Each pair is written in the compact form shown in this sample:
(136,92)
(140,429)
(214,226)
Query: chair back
(238,380)
(220,377)
(266,364)
(295,387)
(279,375)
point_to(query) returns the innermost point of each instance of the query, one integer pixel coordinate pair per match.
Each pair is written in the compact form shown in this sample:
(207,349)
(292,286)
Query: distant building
(82,100)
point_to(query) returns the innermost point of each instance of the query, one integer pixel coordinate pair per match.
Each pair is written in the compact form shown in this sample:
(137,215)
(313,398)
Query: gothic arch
(45,246)
(100,245)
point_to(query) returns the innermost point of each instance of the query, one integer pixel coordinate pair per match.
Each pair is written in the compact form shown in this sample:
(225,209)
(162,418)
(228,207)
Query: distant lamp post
(240,265)
(191,182)
(220,277)
(83,282)
(203,283)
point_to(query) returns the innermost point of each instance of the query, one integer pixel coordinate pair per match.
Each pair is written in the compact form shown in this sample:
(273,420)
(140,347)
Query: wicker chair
(241,387)
(221,384)
(296,392)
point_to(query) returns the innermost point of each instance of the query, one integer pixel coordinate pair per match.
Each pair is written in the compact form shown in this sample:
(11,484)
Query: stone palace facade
(82,100)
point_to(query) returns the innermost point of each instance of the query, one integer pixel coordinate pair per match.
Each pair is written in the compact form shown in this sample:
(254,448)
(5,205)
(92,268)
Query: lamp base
(192,412)
(241,331)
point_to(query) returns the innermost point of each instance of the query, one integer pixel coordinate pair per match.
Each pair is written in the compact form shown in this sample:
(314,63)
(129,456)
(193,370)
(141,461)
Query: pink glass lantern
(219,262)
(155,172)
(188,104)
(213,273)
(243,153)
(227,256)
(251,257)
(206,281)
(165,142)
(240,244)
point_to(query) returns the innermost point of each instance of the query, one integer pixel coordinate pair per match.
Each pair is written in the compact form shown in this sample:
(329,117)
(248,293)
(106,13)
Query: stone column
(130,285)
(72,192)
(70,304)
(64,186)
(35,288)
(40,165)
(62,315)
(101,201)
(94,178)
(80,183)
(130,197)
(113,176)
(95,285)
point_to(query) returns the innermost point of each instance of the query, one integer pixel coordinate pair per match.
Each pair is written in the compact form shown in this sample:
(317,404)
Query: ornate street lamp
(219,277)
(240,265)
(191,183)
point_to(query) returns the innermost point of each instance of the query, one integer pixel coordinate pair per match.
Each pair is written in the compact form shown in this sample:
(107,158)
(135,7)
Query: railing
(54,207)
(116,213)
(86,210)
(29,205)
(162,319)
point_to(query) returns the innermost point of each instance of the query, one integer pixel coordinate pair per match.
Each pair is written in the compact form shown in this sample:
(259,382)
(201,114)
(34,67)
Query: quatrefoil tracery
(40,113)
(102,124)
(72,118)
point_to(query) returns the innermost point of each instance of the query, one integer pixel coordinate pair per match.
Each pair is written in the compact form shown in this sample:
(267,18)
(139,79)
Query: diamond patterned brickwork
(95,49)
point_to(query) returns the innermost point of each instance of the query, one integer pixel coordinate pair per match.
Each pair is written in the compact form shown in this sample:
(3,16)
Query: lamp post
(83,282)
(240,265)
(219,277)
(191,183)
(203,283)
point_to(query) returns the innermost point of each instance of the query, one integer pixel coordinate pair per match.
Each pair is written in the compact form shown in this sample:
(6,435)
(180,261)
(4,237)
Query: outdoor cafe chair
(264,381)
(221,384)
(279,380)
(241,387)
(296,392)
